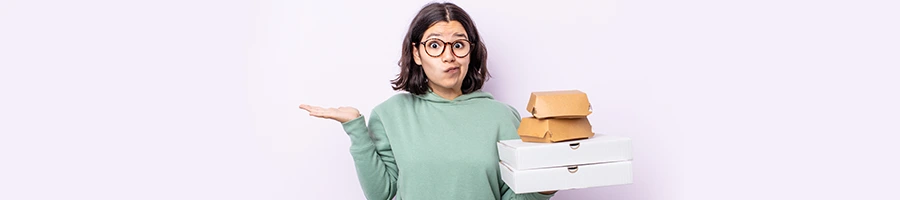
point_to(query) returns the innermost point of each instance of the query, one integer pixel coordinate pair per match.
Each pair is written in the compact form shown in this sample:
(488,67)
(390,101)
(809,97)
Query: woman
(439,140)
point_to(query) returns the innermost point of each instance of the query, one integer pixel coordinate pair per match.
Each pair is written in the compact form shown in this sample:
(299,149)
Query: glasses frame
(450,44)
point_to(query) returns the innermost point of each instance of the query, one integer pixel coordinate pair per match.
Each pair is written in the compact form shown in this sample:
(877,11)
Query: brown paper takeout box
(558,150)
(559,104)
(554,129)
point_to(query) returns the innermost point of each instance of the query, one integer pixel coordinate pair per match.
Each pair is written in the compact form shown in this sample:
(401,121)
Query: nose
(448,55)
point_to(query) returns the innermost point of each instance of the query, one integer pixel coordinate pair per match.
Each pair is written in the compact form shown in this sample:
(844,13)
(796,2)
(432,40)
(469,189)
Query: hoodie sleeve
(508,193)
(374,159)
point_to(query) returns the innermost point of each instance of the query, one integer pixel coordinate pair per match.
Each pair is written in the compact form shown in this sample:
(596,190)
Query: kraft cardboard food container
(560,104)
(529,155)
(554,129)
(566,177)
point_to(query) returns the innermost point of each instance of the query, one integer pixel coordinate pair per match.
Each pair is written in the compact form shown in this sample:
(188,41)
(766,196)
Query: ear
(416,56)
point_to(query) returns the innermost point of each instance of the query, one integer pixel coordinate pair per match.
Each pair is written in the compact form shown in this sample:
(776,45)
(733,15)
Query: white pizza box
(566,177)
(529,155)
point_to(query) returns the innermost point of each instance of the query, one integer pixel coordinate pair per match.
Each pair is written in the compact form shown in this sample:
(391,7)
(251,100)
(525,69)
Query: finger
(314,111)
(319,110)
(328,112)
(319,113)
(307,107)
(323,112)
(312,108)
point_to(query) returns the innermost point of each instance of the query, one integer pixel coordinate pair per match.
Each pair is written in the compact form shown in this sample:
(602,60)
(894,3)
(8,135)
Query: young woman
(438,141)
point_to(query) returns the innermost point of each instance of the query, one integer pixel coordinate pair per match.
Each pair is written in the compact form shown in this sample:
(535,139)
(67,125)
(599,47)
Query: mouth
(452,70)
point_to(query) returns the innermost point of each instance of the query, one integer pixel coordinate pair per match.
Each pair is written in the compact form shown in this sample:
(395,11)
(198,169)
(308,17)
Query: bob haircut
(412,77)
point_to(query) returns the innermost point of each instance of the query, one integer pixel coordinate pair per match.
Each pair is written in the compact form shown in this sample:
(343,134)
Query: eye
(458,45)
(433,45)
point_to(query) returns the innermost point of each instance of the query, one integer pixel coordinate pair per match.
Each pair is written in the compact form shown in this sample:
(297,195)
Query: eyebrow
(457,35)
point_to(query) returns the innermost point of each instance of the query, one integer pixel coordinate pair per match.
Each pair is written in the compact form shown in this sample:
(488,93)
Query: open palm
(340,114)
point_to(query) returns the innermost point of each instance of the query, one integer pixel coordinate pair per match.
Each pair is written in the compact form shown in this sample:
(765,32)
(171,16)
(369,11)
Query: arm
(374,159)
(508,193)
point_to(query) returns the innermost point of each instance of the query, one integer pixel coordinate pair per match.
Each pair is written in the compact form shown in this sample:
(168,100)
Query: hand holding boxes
(559,151)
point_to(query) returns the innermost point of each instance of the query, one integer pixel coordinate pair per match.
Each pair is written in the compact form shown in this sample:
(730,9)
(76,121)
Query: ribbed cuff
(356,125)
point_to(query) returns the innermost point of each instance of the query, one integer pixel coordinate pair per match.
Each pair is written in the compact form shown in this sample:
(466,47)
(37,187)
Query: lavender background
(197,99)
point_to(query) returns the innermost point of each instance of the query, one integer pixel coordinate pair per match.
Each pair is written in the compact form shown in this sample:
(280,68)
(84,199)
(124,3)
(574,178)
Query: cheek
(428,65)
(465,62)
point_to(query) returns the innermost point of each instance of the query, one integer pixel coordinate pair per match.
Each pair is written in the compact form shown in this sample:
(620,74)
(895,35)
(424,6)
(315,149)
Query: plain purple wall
(197,99)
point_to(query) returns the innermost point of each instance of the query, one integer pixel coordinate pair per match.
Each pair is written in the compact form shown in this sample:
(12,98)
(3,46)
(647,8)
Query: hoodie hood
(432,97)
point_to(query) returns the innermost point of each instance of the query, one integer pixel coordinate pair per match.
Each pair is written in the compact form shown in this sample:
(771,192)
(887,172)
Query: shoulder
(502,113)
(398,101)
(500,107)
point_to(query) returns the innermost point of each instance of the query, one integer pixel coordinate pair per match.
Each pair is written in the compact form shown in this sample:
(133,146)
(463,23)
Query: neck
(446,93)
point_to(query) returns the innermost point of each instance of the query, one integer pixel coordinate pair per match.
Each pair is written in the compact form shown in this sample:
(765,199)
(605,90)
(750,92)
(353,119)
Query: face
(446,71)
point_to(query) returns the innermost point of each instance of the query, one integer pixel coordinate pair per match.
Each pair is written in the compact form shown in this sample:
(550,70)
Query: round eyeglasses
(435,47)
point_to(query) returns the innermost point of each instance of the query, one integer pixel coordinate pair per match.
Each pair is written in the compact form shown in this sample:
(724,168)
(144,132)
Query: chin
(448,84)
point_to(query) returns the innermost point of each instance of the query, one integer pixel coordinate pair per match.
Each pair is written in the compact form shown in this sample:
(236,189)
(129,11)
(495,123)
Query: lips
(452,69)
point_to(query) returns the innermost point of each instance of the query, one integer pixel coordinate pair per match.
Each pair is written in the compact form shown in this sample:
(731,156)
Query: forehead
(443,29)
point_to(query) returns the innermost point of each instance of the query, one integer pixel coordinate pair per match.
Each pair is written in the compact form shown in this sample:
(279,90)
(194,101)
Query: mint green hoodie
(425,147)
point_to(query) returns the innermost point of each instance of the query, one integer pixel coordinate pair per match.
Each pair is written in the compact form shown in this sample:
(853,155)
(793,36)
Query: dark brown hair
(412,77)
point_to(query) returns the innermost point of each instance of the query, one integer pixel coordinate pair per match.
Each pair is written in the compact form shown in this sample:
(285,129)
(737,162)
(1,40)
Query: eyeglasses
(435,47)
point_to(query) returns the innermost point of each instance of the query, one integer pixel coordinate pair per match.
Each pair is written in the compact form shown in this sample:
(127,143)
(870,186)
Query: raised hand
(340,114)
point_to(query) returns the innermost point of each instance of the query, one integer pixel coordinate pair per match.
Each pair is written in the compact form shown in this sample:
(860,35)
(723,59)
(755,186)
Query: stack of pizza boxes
(558,149)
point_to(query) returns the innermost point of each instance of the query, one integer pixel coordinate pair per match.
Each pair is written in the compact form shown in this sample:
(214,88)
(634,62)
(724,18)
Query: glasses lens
(434,47)
(461,48)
